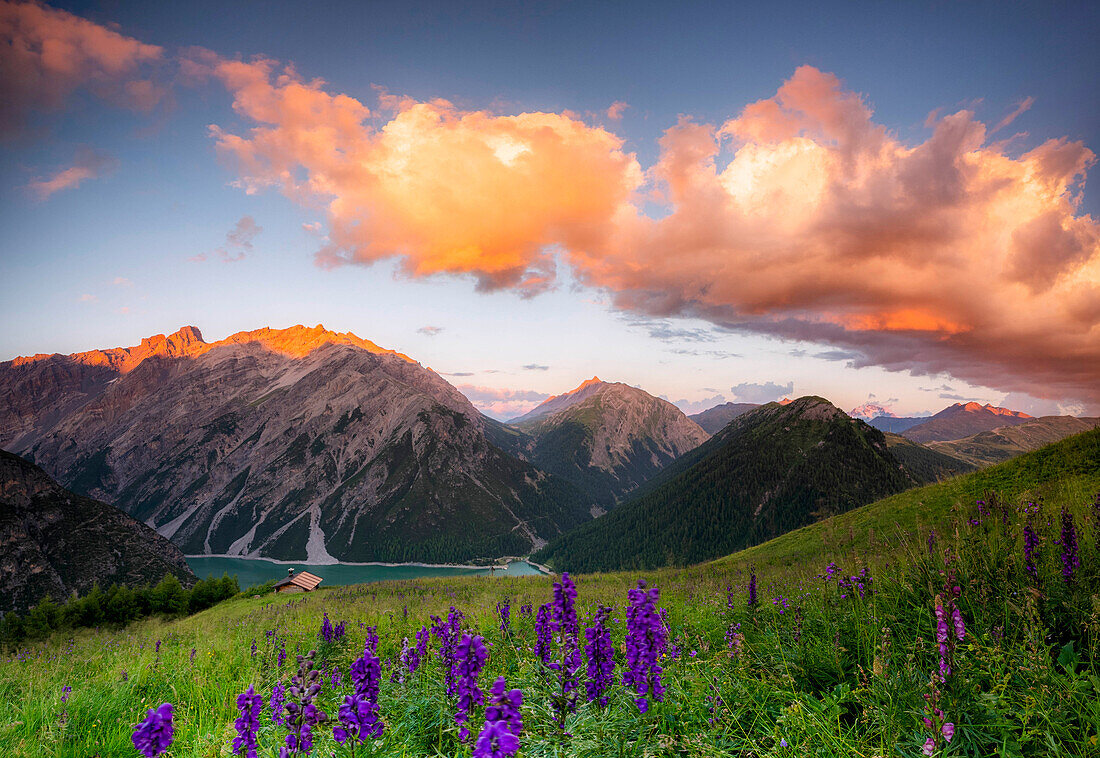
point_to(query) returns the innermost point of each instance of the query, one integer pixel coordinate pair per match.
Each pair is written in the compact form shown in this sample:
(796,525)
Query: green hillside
(770,470)
(1065,472)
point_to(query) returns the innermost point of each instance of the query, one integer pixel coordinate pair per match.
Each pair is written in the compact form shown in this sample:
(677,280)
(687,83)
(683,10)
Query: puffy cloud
(446,190)
(122,281)
(698,406)
(501,403)
(88,164)
(799,218)
(535,367)
(238,240)
(47,54)
(429,331)
(749,392)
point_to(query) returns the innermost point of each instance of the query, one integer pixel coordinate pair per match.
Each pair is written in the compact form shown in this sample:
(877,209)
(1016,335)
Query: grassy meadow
(838,657)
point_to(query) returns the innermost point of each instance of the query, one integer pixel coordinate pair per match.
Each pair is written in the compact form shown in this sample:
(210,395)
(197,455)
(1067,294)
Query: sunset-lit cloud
(615,112)
(1021,106)
(47,54)
(88,164)
(799,218)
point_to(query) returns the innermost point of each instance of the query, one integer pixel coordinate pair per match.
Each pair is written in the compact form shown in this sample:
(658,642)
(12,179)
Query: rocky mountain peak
(299,341)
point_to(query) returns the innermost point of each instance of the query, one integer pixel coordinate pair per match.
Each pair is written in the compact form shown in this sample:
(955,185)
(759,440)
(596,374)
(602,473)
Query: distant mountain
(883,419)
(713,419)
(962,420)
(925,463)
(299,444)
(771,470)
(56,542)
(997,445)
(607,438)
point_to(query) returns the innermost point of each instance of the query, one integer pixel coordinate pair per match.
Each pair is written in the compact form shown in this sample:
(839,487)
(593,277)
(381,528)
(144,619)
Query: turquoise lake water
(251,571)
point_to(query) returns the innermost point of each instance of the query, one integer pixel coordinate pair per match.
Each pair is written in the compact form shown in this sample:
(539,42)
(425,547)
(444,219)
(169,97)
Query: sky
(714,202)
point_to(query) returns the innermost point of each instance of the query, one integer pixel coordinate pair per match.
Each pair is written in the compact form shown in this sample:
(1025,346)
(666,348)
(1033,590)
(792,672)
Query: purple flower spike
(249,703)
(646,640)
(153,736)
(601,657)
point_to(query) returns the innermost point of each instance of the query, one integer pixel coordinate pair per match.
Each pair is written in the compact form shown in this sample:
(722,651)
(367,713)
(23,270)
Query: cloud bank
(47,54)
(799,218)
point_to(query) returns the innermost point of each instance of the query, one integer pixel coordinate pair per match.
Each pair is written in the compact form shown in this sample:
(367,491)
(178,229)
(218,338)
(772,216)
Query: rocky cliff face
(607,438)
(55,542)
(294,444)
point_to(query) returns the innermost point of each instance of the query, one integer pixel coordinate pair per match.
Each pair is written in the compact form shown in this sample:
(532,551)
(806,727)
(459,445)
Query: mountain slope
(962,420)
(296,444)
(770,470)
(56,542)
(1065,471)
(924,463)
(713,419)
(606,438)
(1000,444)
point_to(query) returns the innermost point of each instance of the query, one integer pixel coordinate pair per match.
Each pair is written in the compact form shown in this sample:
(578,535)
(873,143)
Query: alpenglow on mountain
(298,444)
(607,438)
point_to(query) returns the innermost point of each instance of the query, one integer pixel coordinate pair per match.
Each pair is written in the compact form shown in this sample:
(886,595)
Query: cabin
(303,582)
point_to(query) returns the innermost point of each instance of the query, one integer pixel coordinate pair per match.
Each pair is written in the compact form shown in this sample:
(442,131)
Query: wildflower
(338,631)
(192,656)
(65,693)
(495,741)
(504,611)
(358,719)
(1070,560)
(153,736)
(447,632)
(782,742)
(1031,546)
(601,657)
(752,589)
(948,731)
(249,703)
(253,655)
(646,640)
(929,746)
(282,655)
(504,705)
(302,714)
(278,697)
(931,541)
(734,639)
(544,633)
(335,678)
(327,631)
(470,656)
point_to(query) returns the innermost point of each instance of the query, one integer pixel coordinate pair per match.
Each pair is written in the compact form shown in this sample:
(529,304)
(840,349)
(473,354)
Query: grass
(821,669)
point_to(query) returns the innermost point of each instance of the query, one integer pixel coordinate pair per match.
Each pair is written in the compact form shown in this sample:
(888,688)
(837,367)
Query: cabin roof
(305,580)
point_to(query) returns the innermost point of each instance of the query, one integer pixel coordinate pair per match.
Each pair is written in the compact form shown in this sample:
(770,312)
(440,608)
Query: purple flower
(495,741)
(1031,546)
(358,720)
(65,693)
(504,706)
(646,640)
(752,589)
(153,736)
(470,656)
(929,746)
(544,633)
(327,632)
(250,704)
(1070,560)
(278,697)
(282,655)
(302,714)
(504,611)
(948,731)
(960,627)
(601,657)
(448,634)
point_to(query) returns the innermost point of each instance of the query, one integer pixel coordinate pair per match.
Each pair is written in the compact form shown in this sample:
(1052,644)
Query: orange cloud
(446,190)
(615,112)
(800,218)
(47,54)
(87,165)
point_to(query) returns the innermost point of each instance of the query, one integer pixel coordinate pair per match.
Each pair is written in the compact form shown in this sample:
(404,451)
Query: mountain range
(770,470)
(309,444)
(56,542)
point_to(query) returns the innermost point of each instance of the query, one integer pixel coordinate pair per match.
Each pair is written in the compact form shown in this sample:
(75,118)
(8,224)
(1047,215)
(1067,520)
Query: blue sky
(108,261)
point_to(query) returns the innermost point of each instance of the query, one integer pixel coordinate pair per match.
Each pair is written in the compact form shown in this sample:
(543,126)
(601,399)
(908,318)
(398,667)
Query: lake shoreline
(502,566)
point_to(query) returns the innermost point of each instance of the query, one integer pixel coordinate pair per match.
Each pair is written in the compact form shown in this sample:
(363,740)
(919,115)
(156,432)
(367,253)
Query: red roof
(305,580)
